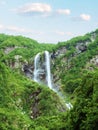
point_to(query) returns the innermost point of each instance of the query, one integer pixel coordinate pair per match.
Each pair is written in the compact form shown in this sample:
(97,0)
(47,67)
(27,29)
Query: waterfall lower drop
(48,73)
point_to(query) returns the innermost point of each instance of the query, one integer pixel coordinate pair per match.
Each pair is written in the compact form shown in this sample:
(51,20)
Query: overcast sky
(48,20)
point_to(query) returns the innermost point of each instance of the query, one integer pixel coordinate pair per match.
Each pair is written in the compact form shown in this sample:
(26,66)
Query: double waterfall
(42,69)
(42,72)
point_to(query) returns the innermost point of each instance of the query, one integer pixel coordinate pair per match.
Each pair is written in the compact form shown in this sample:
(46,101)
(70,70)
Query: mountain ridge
(28,105)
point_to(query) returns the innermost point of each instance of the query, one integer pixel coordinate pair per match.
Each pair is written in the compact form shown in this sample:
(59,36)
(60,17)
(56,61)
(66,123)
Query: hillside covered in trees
(28,105)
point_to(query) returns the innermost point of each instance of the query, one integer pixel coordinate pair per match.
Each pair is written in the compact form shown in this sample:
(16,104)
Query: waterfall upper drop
(42,73)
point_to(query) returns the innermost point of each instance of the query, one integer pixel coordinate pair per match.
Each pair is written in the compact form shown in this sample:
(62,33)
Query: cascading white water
(48,73)
(39,71)
(36,63)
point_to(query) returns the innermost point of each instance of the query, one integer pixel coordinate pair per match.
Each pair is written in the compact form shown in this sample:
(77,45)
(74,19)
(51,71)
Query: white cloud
(85,17)
(22,30)
(18,30)
(64,11)
(69,33)
(60,33)
(1,26)
(34,8)
(15,29)
(2,2)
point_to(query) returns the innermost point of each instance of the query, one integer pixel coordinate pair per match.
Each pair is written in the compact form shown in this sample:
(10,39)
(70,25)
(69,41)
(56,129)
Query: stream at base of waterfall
(42,73)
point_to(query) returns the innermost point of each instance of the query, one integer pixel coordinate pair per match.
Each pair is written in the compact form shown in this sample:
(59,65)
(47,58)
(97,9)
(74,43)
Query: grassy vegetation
(26,105)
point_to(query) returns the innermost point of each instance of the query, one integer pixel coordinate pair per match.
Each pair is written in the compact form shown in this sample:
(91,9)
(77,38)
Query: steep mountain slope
(72,58)
(23,48)
(25,104)
(22,100)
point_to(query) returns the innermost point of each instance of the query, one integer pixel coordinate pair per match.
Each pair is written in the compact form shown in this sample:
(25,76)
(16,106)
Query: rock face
(15,62)
(94,60)
(93,37)
(8,50)
(35,111)
(61,51)
(28,70)
(82,48)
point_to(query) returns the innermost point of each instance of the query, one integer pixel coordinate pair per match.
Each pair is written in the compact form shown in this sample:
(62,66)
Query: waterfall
(48,73)
(42,69)
(36,64)
(39,71)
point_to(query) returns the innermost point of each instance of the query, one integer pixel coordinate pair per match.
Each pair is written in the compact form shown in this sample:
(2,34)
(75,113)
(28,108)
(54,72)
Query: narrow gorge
(42,74)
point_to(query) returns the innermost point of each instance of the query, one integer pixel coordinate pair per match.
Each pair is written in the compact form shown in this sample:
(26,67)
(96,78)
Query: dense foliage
(26,105)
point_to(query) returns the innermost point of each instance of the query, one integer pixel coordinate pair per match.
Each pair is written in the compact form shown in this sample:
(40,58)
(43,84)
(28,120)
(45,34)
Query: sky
(48,21)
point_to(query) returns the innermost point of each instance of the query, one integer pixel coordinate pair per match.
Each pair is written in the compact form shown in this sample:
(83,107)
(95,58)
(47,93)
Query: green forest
(28,105)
